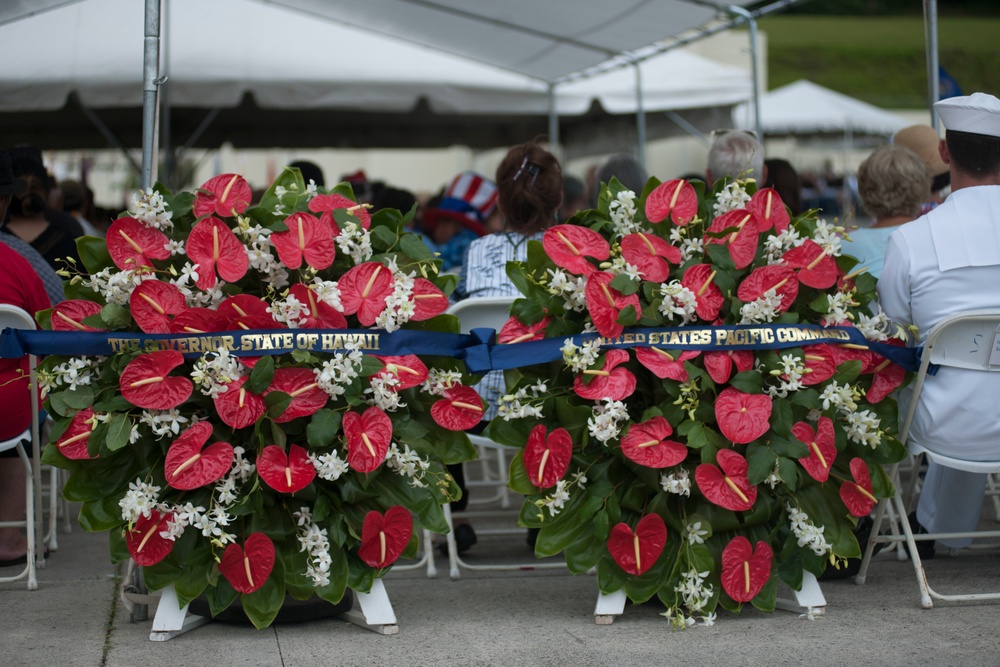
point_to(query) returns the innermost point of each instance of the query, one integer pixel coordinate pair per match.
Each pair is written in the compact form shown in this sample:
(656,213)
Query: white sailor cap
(978,113)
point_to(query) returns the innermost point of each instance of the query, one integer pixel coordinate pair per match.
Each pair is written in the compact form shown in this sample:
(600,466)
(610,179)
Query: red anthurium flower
(609,382)
(605,303)
(384,538)
(769,210)
(709,299)
(68,315)
(858,495)
(237,407)
(569,246)
(319,314)
(154,304)
(816,268)
(742,417)
(779,278)
(199,320)
(888,376)
(428,300)
(745,571)
(239,308)
(650,255)
(247,568)
(188,466)
(663,364)
(646,444)
(742,240)
(224,195)
(820,363)
(307,239)
(363,290)
(720,364)
(408,369)
(459,410)
(285,473)
(546,458)
(145,543)
(145,382)
(822,448)
(850,352)
(675,198)
(301,385)
(514,332)
(368,438)
(326,204)
(636,552)
(213,247)
(728,487)
(73,442)
(132,244)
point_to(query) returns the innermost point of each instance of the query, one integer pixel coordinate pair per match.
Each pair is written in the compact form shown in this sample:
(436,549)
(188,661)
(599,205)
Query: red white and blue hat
(470,198)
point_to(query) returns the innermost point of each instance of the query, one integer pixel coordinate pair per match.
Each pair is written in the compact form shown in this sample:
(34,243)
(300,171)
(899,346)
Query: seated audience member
(575,198)
(310,172)
(735,154)
(923,140)
(781,176)
(389,197)
(76,202)
(463,215)
(943,263)
(893,182)
(626,169)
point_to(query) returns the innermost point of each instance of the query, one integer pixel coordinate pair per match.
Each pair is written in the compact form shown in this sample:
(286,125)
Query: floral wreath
(700,476)
(294,473)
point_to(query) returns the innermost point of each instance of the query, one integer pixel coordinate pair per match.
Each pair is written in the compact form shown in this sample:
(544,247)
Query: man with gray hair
(736,154)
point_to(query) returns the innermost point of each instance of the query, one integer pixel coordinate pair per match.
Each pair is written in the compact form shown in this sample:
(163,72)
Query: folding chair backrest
(15,318)
(489,312)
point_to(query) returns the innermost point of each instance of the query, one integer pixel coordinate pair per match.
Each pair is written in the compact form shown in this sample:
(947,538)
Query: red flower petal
(742,241)
(858,495)
(73,442)
(307,239)
(246,569)
(514,332)
(69,315)
(651,255)
(132,244)
(199,320)
(237,308)
(779,278)
(546,458)
(224,195)
(844,354)
(459,410)
(326,204)
(384,538)
(145,544)
(676,198)
(285,473)
(213,246)
(154,304)
(428,300)
(636,552)
(605,303)
(301,385)
(570,245)
(408,369)
(363,290)
(742,417)
(709,299)
(888,376)
(817,269)
(822,448)
(720,364)
(368,438)
(145,382)
(608,382)
(319,314)
(237,407)
(744,571)
(820,363)
(188,466)
(769,210)
(728,487)
(646,444)
(663,364)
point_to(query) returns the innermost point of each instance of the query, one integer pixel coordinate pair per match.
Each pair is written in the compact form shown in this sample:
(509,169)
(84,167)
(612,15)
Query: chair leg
(918,567)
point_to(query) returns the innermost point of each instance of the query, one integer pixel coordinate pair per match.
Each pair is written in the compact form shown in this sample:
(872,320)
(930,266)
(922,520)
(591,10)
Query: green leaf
(323,427)
(277,402)
(220,597)
(781,417)
(94,253)
(101,514)
(718,253)
(518,480)
(749,382)
(414,247)
(80,398)
(848,371)
(761,461)
(790,446)
(385,235)
(624,284)
(119,430)
(788,471)
(263,604)
(261,376)
(116,316)
(334,591)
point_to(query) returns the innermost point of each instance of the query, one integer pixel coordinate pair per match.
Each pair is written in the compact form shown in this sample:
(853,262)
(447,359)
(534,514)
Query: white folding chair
(948,344)
(17,443)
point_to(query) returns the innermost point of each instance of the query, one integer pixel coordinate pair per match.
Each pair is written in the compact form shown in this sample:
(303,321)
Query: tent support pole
(110,136)
(754,64)
(553,121)
(150,81)
(933,66)
(640,118)
(200,130)
(687,127)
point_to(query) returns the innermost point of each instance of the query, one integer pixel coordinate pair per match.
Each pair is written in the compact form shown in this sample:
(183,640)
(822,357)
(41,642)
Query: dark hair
(529,180)
(310,171)
(32,202)
(626,169)
(781,176)
(977,155)
(388,197)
